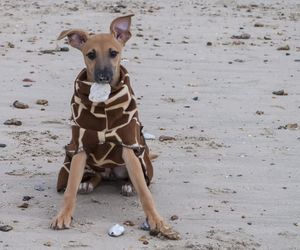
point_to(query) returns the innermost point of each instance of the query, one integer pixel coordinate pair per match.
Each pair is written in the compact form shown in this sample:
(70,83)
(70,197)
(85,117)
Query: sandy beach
(204,72)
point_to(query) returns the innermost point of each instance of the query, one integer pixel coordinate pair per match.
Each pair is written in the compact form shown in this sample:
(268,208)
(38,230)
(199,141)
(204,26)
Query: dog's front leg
(157,224)
(64,217)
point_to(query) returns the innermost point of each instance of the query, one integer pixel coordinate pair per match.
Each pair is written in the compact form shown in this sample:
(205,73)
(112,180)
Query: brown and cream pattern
(103,129)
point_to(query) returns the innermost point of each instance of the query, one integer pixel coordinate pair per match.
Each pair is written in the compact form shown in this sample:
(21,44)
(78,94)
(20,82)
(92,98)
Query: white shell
(99,92)
(149,136)
(116,230)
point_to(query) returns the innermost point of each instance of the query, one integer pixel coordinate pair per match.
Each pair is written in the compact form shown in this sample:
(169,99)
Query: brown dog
(102,56)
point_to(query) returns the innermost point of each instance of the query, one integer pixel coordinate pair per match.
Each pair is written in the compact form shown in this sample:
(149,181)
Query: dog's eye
(91,55)
(113,53)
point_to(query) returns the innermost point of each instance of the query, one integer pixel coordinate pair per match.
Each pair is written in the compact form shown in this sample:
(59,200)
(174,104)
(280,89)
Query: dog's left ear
(76,37)
(120,28)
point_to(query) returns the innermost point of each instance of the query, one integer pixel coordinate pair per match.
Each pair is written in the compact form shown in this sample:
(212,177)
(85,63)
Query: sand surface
(231,176)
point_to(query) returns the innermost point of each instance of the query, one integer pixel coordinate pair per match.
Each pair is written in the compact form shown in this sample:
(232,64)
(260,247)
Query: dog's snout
(104,75)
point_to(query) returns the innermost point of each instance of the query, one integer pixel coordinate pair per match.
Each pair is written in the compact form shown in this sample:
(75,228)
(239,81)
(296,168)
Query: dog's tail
(152,156)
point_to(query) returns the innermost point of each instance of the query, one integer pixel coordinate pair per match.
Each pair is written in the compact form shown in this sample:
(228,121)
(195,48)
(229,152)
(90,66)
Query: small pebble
(24,205)
(6,228)
(145,226)
(286,47)
(242,36)
(279,92)
(39,187)
(13,121)
(144,240)
(166,138)
(128,223)
(27,80)
(27,198)
(42,102)
(174,217)
(20,105)
(2,145)
(48,244)
(64,49)
(259,25)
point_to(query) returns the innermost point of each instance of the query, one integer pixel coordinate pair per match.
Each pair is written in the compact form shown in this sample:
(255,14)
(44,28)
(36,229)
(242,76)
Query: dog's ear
(76,37)
(120,28)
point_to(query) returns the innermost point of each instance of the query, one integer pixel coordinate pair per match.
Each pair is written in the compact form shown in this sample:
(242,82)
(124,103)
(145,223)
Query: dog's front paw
(85,188)
(61,221)
(159,228)
(127,190)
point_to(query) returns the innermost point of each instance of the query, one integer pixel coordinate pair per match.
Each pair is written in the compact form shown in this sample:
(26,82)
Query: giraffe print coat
(103,129)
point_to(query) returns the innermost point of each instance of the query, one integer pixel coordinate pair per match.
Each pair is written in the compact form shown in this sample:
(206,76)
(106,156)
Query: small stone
(144,240)
(258,112)
(238,43)
(27,80)
(20,105)
(24,205)
(209,44)
(292,126)
(285,47)
(2,145)
(39,187)
(166,138)
(259,25)
(242,36)
(48,244)
(13,121)
(27,85)
(64,49)
(6,228)
(42,102)
(27,198)
(174,217)
(145,226)
(279,92)
(267,38)
(128,223)
(10,45)
(239,60)
(195,98)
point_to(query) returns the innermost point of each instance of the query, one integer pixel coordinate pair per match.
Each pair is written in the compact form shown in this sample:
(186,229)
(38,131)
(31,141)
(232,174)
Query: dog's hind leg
(89,185)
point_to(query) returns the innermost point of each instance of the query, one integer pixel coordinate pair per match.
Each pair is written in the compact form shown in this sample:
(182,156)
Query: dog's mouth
(99,92)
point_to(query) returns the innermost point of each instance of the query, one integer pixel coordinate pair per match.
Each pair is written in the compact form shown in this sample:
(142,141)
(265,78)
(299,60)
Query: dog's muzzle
(103,76)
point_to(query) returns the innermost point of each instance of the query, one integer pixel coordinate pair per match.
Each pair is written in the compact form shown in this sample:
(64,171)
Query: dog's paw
(61,221)
(159,228)
(127,190)
(85,188)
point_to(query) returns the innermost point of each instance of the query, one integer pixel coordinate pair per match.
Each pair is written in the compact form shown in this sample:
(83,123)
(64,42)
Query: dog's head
(102,52)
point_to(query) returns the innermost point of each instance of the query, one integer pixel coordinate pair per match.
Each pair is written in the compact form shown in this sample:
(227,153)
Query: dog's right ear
(76,37)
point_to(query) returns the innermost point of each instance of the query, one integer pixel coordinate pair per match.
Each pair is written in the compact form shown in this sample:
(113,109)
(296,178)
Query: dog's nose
(103,75)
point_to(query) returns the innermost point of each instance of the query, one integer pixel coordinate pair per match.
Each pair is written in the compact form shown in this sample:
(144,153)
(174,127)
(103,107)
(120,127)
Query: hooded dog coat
(102,129)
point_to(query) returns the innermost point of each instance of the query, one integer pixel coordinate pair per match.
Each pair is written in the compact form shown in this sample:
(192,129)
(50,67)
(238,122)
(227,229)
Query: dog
(106,131)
